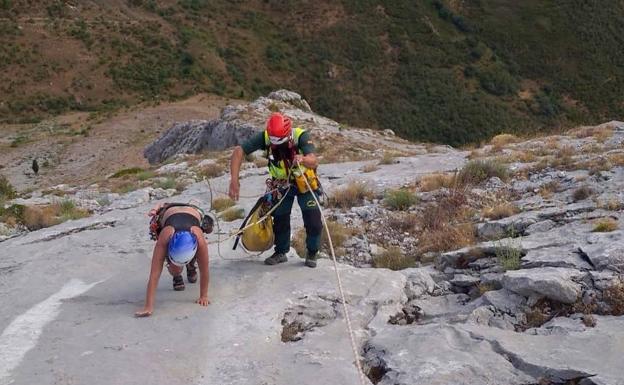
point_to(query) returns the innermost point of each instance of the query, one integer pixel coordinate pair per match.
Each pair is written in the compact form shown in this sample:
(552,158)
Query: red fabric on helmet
(279,125)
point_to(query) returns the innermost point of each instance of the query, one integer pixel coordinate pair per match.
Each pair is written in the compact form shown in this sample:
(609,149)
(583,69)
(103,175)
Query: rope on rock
(356,354)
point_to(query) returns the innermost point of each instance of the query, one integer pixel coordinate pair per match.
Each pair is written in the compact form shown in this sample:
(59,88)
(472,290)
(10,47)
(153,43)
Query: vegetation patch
(582,193)
(478,171)
(605,225)
(351,195)
(509,256)
(388,158)
(500,141)
(39,217)
(400,199)
(232,214)
(339,234)
(212,170)
(393,259)
(500,211)
(222,203)
(436,181)
(127,171)
(6,189)
(446,224)
(369,167)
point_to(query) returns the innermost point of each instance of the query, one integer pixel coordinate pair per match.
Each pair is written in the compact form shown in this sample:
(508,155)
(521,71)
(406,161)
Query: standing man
(289,152)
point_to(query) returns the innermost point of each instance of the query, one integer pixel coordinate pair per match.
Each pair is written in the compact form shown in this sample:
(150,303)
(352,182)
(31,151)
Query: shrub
(369,167)
(6,189)
(339,234)
(388,158)
(403,222)
(36,218)
(166,184)
(351,195)
(503,139)
(393,259)
(400,199)
(232,214)
(582,193)
(605,225)
(436,181)
(478,171)
(67,210)
(446,224)
(614,297)
(508,255)
(127,171)
(211,170)
(145,175)
(220,204)
(500,211)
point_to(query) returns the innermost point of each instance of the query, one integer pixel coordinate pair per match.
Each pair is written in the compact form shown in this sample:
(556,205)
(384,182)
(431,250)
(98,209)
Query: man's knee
(312,222)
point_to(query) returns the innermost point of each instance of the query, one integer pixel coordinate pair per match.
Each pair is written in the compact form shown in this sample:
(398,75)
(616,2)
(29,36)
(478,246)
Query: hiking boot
(191,273)
(178,283)
(310,260)
(275,259)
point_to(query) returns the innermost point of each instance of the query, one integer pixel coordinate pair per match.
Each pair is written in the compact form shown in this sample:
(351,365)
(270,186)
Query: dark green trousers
(311,221)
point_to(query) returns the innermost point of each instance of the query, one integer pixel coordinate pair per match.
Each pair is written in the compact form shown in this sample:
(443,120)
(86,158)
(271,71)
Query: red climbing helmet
(279,128)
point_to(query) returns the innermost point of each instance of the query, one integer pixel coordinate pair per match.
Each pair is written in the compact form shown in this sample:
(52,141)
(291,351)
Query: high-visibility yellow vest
(278,170)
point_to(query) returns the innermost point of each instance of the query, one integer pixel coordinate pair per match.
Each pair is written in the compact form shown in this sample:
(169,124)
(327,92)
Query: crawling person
(178,230)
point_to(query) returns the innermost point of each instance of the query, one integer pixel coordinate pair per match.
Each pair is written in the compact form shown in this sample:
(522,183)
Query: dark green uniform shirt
(256,143)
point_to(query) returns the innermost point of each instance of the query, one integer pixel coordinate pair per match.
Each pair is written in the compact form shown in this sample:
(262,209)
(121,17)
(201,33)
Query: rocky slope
(533,297)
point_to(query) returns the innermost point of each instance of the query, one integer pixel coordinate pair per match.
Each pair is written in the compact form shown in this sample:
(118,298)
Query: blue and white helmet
(182,247)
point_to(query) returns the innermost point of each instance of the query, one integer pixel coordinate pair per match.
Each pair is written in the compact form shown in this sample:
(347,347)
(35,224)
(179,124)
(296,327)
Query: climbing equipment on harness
(259,236)
(300,180)
(155,225)
(256,231)
(281,156)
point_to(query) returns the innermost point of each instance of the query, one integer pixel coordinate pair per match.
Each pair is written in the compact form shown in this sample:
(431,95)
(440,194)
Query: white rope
(356,354)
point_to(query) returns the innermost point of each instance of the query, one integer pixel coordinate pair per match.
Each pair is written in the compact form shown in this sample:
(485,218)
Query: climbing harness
(155,225)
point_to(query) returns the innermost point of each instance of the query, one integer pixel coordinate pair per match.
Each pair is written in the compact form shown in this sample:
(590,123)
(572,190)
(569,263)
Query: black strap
(260,201)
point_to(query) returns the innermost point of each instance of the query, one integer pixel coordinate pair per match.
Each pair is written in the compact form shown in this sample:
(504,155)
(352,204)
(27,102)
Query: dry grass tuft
(369,167)
(612,204)
(393,259)
(605,225)
(403,222)
(601,134)
(500,211)
(446,224)
(548,189)
(400,199)
(614,297)
(339,234)
(616,159)
(582,193)
(478,171)
(211,170)
(388,158)
(39,217)
(220,204)
(436,181)
(232,214)
(351,195)
(499,141)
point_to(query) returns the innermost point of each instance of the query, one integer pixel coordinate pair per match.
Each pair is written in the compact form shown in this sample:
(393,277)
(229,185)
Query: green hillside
(448,71)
